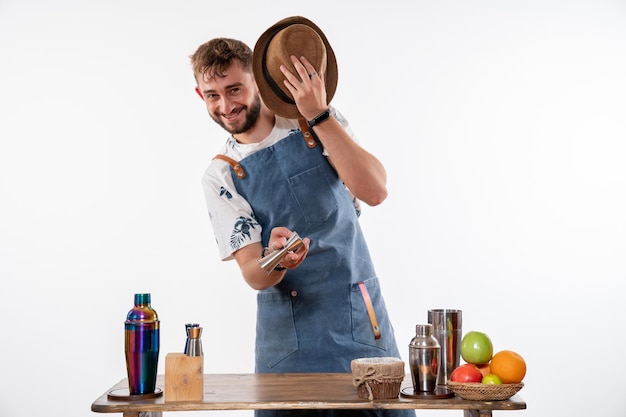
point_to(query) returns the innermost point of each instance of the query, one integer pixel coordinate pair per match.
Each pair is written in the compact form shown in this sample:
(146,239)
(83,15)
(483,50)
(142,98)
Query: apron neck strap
(306,132)
(234,165)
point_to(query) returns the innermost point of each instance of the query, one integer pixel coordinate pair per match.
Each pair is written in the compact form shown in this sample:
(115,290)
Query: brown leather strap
(306,132)
(234,164)
(370,309)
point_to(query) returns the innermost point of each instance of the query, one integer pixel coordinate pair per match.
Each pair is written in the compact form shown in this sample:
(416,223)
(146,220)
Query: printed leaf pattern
(225,192)
(241,231)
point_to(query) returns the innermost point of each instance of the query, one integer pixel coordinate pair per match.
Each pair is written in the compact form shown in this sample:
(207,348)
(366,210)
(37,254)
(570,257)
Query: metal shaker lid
(424,337)
(142,312)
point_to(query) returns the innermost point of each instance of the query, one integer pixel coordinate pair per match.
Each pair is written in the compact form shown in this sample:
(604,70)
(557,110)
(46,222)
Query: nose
(226,106)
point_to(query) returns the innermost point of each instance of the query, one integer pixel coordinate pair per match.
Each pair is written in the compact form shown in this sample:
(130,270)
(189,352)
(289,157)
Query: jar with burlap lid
(377,378)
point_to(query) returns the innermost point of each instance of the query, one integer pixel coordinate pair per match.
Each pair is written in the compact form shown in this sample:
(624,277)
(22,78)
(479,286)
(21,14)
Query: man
(291,165)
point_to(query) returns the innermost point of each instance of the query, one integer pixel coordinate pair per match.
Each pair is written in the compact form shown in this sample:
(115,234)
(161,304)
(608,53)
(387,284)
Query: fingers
(308,76)
(304,69)
(310,70)
(294,259)
(279,237)
(306,87)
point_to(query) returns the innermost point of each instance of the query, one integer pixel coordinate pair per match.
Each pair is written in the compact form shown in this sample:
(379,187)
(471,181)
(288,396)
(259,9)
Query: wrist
(323,116)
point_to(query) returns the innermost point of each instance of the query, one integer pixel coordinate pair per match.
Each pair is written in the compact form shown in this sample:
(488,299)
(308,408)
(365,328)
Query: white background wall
(502,126)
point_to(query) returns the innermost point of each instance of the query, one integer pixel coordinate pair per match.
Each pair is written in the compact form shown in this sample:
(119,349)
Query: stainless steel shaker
(424,358)
(447,328)
(193,345)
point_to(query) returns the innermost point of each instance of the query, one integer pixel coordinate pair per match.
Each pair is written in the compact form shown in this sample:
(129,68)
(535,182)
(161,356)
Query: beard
(252,115)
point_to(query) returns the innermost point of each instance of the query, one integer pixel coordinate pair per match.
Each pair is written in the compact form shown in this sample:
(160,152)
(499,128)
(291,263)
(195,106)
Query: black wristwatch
(319,118)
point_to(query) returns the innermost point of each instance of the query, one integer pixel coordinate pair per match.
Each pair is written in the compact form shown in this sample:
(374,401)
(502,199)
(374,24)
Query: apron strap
(234,164)
(241,174)
(370,309)
(306,132)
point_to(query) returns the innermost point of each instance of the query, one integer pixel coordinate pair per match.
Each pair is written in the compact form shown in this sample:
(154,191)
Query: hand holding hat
(293,36)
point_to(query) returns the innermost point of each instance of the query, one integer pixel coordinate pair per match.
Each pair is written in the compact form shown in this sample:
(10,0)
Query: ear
(199,93)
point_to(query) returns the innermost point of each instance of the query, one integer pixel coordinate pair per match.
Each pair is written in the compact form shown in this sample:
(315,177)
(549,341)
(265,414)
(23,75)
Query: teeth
(233,114)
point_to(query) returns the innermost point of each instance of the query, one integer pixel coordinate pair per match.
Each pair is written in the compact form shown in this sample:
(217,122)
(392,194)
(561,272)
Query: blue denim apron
(316,319)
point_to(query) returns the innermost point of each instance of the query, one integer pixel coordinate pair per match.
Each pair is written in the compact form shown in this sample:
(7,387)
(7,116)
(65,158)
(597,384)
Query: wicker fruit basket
(484,392)
(377,378)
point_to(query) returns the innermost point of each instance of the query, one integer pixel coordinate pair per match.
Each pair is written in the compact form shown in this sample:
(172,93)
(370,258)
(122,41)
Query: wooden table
(289,391)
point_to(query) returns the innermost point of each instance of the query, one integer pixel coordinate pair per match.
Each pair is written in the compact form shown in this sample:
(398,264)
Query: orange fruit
(484,369)
(509,366)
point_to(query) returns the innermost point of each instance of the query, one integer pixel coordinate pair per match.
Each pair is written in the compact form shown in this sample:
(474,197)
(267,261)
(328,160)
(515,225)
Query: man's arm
(361,172)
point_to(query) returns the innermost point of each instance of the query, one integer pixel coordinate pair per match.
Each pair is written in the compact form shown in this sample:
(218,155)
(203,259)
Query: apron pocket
(362,328)
(306,186)
(275,330)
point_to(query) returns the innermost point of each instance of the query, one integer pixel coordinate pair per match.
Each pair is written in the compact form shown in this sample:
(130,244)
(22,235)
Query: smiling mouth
(233,114)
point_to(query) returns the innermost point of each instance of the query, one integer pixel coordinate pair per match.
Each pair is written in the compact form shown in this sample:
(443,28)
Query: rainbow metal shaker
(141,330)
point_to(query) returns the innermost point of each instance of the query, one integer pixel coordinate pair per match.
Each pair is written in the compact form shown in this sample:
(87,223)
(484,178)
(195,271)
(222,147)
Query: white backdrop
(502,126)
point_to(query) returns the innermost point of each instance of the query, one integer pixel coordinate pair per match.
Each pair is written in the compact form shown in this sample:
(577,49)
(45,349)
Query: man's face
(232,100)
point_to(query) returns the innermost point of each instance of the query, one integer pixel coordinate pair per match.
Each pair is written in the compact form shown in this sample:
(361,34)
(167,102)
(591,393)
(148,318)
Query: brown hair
(217,55)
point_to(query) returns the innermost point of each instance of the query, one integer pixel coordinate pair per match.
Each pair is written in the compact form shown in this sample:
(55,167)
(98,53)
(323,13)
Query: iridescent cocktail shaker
(142,346)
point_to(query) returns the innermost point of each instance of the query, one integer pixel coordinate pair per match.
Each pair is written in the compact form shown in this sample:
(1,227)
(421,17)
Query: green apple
(476,348)
(491,379)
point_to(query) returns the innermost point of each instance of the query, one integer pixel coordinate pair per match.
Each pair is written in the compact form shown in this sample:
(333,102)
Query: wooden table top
(288,391)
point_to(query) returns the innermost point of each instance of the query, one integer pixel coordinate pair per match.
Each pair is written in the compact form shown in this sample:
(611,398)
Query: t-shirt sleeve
(233,221)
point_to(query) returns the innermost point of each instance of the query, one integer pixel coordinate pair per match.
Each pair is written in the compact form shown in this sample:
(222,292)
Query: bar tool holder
(184,372)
